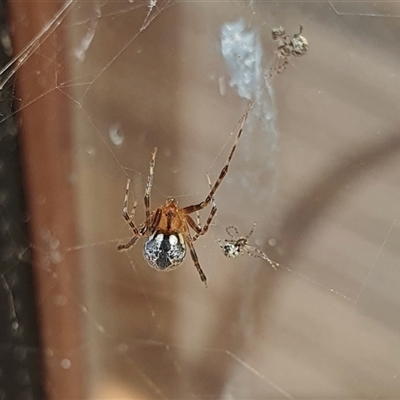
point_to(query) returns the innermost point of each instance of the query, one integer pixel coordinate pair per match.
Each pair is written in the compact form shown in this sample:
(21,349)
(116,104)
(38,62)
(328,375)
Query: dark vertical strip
(46,144)
(20,362)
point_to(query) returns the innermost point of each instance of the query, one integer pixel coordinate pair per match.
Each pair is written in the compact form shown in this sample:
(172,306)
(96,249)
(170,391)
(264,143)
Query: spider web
(325,197)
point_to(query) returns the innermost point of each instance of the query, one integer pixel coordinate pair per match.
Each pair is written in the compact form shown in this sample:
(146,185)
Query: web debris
(10,301)
(9,70)
(355,14)
(255,372)
(288,46)
(148,20)
(374,264)
(13,66)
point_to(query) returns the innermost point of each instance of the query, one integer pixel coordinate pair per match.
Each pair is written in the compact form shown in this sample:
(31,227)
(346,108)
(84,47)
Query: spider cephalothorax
(167,227)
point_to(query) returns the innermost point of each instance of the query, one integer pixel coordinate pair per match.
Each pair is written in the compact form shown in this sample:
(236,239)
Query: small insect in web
(168,227)
(296,46)
(238,245)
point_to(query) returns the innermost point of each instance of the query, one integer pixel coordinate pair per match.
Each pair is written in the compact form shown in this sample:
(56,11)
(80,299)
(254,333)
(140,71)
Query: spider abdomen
(164,252)
(230,250)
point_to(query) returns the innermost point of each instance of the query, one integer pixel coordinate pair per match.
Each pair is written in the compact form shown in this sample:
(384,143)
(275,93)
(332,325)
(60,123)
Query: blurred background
(99,84)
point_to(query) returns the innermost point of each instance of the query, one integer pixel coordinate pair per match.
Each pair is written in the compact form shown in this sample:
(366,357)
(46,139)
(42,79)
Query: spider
(288,46)
(239,245)
(167,227)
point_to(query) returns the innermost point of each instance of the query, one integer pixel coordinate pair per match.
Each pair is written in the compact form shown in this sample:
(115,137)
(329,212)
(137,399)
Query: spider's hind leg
(252,251)
(131,242)
(195,259)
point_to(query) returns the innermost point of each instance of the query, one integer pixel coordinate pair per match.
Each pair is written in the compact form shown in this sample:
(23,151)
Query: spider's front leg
(148,190)
(234,229)
(129,220)
(224,171)
(196,226)
(251,231)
